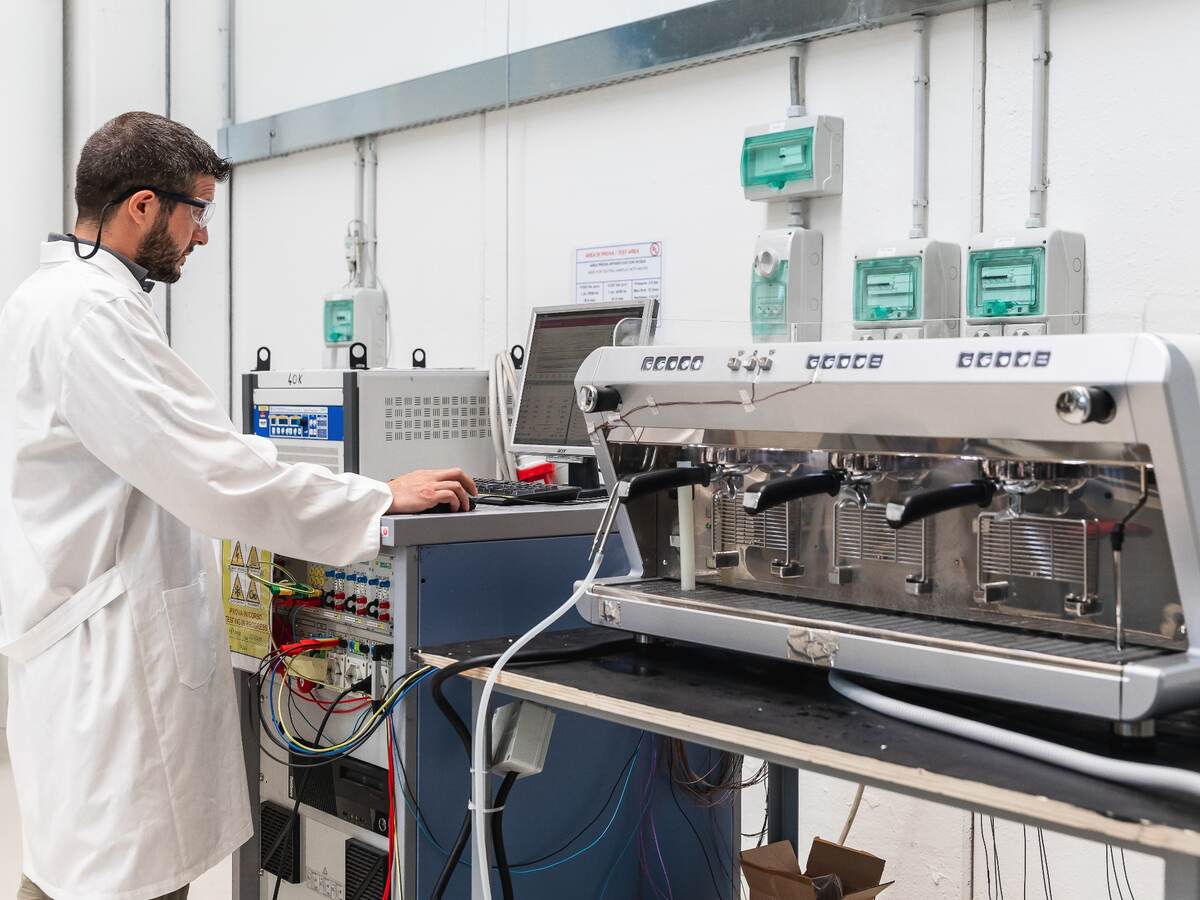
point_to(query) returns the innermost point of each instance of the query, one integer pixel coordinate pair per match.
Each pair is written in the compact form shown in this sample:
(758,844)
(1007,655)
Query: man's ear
(141,207)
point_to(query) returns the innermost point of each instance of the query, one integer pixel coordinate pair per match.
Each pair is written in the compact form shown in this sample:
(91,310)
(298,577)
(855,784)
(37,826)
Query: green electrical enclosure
(777,160)
(768,303)
(888,290)
(1006,282)
(339,321)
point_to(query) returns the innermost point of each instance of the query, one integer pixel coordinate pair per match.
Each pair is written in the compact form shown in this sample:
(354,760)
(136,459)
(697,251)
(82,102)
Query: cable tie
(486,811)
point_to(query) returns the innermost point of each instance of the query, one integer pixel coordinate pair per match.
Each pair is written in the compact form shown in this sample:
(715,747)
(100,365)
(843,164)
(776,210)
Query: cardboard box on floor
(773,871)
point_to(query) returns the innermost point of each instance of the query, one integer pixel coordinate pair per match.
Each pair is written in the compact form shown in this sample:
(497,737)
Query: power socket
(321,883)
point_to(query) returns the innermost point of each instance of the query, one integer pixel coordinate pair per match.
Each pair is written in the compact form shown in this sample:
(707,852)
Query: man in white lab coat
(117,469)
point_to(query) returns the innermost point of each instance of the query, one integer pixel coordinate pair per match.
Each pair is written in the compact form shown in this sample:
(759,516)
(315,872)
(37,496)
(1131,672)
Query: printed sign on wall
(619,273)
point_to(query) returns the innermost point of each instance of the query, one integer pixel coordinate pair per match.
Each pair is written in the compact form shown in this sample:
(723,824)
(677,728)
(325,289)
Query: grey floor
(215,885)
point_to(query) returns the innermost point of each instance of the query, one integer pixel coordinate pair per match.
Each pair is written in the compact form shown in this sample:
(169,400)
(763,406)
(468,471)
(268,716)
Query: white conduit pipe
(359,189)
(1132,774)
(371,224)
(920,201)
(1038,181)
(798,106)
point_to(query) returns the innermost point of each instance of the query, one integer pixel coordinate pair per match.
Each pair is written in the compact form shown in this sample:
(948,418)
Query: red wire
(359,704)
(387,885)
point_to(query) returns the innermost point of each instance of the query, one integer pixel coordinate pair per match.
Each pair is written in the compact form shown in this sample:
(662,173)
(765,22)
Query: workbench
(788,715)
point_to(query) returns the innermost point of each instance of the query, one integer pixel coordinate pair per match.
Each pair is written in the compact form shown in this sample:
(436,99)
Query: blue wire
(412,811)
(616,811)
(305,751)
(625,849)
(428,835)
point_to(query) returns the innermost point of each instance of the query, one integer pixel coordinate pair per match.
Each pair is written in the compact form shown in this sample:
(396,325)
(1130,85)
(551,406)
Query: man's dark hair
(141,149)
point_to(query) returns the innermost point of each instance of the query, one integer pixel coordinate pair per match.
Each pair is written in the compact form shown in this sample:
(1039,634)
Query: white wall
(314,50)
(30,55)
(200,300)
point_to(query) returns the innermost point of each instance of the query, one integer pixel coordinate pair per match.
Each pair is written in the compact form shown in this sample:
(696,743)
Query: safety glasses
(202,210)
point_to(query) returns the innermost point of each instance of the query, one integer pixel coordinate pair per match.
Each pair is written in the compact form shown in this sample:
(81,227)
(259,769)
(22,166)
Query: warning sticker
(247,603)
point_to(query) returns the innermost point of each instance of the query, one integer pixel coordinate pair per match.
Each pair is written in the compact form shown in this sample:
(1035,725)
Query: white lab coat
(117,468)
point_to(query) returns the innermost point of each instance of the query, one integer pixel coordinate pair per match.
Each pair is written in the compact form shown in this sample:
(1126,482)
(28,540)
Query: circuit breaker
(799,156)
(785,286)
(907,290)
(355,315)
(1025,282)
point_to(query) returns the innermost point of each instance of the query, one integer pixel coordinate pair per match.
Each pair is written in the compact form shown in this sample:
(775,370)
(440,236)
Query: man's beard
(158,255)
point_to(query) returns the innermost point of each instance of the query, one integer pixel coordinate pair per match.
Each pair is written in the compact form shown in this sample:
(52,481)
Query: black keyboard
(495,492)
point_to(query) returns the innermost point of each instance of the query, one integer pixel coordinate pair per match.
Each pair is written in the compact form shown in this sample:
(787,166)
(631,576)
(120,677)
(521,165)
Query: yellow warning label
(316,576)
(252,559)
(247,606)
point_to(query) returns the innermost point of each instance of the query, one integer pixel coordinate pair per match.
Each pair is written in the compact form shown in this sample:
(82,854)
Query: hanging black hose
(502,867)
(300,791)
(436,687)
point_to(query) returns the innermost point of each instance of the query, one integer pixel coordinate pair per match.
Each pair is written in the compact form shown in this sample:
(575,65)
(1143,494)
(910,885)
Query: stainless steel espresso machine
(1015,518)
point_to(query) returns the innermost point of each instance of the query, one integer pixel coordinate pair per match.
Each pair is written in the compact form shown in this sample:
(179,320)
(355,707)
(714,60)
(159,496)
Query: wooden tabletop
(787,713)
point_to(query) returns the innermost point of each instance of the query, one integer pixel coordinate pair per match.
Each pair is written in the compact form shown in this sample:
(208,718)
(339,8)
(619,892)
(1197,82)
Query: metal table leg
(1181,877)
(783,804)
(246,858)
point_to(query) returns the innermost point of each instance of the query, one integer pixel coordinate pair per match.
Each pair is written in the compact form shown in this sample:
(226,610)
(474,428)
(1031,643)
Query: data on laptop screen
(560,340)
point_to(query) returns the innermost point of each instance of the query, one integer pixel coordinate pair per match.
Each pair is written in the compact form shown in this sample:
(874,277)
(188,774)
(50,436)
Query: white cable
(1142,775)
(502,384)
(479,761)
(853,814)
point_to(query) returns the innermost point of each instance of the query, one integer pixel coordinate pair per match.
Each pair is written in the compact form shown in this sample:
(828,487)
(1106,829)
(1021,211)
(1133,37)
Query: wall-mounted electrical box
(795,157)
(355,315)
(785,285)
(1025,282)
(909,289)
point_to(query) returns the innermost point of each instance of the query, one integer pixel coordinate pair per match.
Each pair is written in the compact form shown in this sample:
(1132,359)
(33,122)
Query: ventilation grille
(733,528)
(366,871)
(862,533)
(422,417)
(318,789)
(1042,547)
(329,456)
(285,860)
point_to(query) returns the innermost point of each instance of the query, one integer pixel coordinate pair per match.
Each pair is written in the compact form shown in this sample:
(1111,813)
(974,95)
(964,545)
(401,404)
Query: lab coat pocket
(190,621)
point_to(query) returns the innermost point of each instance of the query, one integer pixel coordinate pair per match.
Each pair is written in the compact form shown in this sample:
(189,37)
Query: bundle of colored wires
(274,675)
(274,668)
(282,734)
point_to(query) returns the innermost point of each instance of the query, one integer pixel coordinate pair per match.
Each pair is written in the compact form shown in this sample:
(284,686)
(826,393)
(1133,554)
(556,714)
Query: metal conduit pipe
(920,201)
(1038,181)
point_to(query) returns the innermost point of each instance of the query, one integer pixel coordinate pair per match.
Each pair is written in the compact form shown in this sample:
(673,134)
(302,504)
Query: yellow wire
(374,717)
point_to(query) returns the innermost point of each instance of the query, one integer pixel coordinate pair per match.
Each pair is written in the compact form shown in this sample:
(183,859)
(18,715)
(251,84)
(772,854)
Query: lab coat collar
(64,251)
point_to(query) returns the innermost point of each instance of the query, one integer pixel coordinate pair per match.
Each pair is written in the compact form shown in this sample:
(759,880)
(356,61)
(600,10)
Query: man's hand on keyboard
(426,488)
